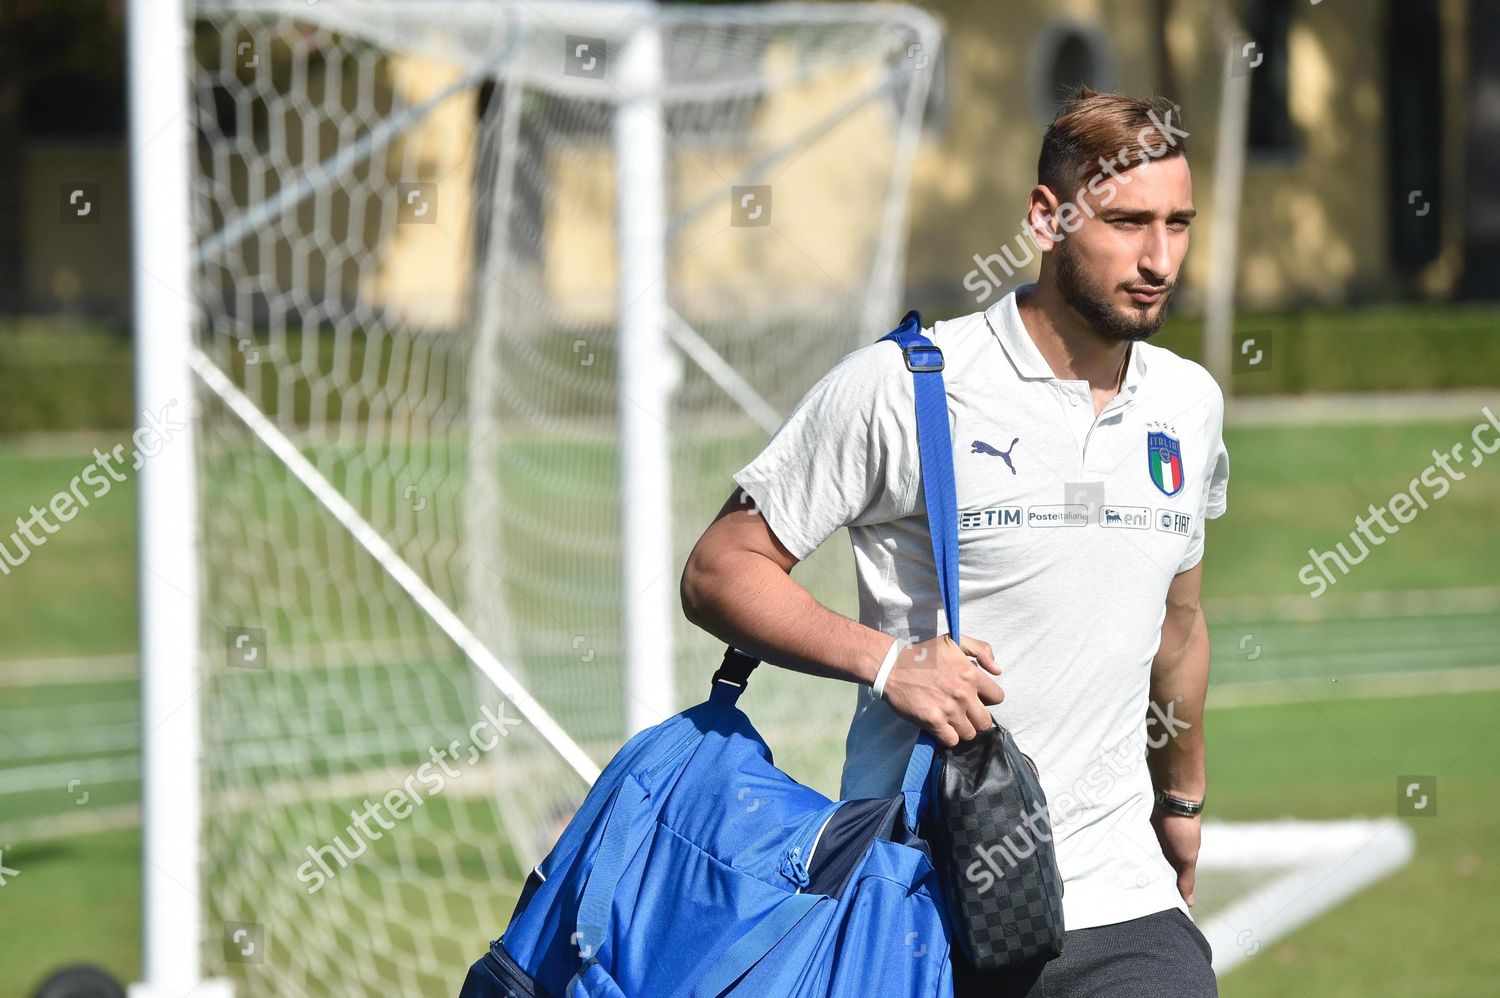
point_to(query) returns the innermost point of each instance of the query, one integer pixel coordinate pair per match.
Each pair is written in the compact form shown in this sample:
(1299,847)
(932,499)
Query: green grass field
(1426,930)
(1325,748)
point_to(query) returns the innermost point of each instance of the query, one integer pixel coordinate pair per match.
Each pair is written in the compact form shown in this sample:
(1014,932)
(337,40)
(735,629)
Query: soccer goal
(475,305)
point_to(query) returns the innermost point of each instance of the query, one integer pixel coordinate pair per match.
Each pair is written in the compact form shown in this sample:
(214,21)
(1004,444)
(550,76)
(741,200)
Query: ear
(1041,218)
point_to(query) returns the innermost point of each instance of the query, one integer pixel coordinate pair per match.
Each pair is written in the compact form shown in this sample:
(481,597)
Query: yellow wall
(824,211)
(1316,226)
(423,276)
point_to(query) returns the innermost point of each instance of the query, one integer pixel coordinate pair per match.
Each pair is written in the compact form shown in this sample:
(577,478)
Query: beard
(1092,301)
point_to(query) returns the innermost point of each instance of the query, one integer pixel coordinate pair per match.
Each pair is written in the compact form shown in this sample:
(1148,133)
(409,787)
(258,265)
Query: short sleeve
(845,454)
(1215,490)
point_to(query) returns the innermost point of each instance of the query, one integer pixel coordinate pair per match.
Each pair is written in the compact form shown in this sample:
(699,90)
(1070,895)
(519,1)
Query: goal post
(481,302)
(167,580)
(645,377)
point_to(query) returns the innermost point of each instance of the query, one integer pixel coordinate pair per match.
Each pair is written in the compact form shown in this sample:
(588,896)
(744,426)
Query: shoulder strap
(935,445)
(935,448)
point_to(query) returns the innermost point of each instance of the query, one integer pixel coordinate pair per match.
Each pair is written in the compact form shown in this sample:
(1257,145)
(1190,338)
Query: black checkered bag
(991,838)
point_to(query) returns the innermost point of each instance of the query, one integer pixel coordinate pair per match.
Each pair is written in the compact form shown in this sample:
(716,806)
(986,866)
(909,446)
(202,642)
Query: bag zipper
(799,854)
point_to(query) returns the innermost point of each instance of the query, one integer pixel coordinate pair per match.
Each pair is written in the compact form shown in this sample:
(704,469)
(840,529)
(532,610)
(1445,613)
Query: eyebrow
(1146,213)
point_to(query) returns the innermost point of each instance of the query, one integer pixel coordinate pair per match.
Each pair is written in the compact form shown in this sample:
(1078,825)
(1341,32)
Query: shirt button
(1073,399)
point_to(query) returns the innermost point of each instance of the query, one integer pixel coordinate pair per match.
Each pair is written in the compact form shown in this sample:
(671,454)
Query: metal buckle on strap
(923,357)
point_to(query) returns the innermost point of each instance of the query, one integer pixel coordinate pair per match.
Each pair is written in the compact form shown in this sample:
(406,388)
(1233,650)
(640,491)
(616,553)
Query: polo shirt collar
(1005,321)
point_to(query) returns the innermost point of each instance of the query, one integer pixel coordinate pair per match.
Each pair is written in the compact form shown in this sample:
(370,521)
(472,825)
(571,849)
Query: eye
(1126,223)
(1180,224)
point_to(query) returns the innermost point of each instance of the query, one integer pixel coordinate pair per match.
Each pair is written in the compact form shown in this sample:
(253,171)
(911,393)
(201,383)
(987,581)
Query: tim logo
(995,516)
(980,447)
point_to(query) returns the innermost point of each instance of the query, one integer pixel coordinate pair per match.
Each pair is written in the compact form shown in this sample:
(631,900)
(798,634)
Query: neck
(1072,348)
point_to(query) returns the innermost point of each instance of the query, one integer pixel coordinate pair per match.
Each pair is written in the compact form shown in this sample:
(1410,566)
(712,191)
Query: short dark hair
(1091,126)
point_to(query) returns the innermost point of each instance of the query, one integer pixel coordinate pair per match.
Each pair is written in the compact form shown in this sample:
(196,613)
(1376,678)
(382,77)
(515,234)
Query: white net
(409,230)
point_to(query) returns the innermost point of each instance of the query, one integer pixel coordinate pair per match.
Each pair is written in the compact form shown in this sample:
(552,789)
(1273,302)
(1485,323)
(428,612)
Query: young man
(1086,463)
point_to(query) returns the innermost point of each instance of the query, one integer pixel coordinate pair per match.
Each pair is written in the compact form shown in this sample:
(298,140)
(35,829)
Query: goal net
(491,299)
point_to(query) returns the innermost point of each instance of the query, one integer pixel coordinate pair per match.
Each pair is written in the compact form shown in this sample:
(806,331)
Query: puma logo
(980,447)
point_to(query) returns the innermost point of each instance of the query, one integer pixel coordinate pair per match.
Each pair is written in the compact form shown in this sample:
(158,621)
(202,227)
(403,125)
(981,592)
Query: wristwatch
(1179,805)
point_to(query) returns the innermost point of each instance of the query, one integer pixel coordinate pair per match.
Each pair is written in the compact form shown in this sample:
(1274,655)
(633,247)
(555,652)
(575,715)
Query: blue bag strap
(935,446)
(746,951)
(730,678)
(609,865)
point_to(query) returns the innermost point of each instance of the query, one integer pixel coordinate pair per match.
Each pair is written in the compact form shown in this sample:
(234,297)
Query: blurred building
(1372,138)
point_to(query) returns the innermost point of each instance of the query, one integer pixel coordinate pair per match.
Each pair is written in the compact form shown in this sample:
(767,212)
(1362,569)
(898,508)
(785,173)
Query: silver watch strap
(1179,805)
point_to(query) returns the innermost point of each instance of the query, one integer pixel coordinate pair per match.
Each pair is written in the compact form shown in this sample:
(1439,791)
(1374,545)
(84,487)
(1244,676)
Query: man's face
(1119,268)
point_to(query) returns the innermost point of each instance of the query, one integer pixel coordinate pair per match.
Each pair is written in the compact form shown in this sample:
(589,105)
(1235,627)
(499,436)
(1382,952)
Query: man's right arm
(737,585)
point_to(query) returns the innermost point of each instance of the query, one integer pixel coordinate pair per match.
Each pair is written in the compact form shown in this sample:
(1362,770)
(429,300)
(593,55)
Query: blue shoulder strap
(935,446)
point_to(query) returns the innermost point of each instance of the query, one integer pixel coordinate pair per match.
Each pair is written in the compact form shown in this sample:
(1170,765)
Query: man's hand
(1180,837)
(935,685)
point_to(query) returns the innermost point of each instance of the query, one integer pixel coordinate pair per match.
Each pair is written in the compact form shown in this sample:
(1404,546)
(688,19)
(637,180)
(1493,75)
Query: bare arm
(1179,678)
(1175,754)
(737,585)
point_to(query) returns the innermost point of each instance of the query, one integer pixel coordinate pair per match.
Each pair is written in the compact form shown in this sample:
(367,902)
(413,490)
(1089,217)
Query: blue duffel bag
(695,868)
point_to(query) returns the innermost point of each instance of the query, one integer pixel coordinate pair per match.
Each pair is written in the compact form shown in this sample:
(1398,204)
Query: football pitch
(1318,707)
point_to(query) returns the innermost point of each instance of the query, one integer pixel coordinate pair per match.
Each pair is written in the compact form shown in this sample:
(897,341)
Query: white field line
(1380,604)
(1379,659)
(1321,864)
(1474,679)
(81,669)
(85,820)
(344,654)
(1353,408)
(475,782)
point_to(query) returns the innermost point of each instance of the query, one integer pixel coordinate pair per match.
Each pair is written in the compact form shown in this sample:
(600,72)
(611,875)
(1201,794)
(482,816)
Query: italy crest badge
(1164,459)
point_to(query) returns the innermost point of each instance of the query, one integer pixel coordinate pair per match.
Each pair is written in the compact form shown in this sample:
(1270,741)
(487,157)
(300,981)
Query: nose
(1155,262)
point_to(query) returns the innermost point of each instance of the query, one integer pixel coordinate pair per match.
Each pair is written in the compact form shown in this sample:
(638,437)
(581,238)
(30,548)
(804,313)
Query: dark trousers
(1161,955)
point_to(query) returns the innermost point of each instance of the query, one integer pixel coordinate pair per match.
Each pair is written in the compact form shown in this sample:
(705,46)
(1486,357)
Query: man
(1086,463)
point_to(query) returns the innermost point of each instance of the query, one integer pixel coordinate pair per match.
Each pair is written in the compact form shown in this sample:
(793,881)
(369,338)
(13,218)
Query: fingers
(981,651)
(1185,881)
(961,711)
(989,691)
(980,718)
(945,735)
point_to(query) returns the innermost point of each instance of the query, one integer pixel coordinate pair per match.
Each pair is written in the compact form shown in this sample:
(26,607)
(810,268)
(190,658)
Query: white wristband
(886,665)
